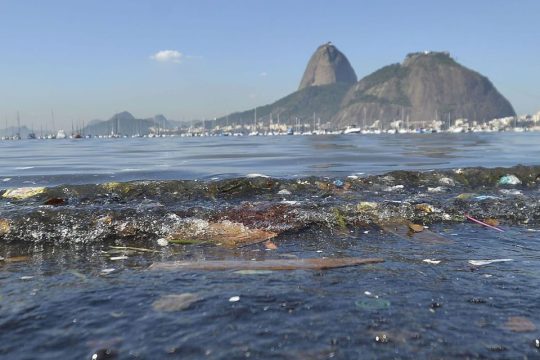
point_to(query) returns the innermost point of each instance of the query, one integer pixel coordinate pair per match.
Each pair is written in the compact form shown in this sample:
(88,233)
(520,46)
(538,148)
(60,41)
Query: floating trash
(226,233)
(509,180)
(447,181)
(275,264)
(382,339)
(115,258)
(483,223)
(284,192)
(269,245)
(4,226)
(487,262)
(23,193)
(416,227)
(486,197)
(234,299)
(430,261)
(162,242)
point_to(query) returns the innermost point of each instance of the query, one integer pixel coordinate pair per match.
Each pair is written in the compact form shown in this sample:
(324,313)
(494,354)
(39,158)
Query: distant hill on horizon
(124,123)
(426,86)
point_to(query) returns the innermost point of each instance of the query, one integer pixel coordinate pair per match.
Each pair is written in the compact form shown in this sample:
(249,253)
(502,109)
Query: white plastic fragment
(123,257)
(26,277)
(162,242)
(430,261)
(509,179)
(437,189)
(284,192)
(107,271)
(23,192)
(447,181)
(487,262)
(234,298)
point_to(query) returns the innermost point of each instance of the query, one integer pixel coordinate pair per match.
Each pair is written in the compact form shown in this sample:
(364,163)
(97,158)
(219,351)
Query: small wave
(24,167)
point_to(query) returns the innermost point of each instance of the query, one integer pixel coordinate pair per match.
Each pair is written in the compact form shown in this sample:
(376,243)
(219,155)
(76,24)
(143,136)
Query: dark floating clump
(250,210)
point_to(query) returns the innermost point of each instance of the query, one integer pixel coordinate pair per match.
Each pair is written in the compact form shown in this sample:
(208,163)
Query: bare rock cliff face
(425,87)
(327,66)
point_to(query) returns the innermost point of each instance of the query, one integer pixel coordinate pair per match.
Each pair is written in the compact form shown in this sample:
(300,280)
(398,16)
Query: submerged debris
(224,233)
(175,302)
(275,264)
(519,324)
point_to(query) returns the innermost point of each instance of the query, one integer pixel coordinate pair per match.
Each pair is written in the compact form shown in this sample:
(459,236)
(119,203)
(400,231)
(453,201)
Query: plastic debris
(485,197)
(394,188)
(483,223)
(383,339)
(226,233)
(133,248)
(4,226)
(487,262)
(492,222)
(107,271)
(115,258)
(234,298)
(447,181)
(338,183)
(416,227)
(284,192)
(276,264)
(23,193)
(104,354)
(175,302)
(428,209)
(519,324)
(509,180)
(437,189)
(162,242)
(430,261)
(511,192)
(269,245)
(26,277)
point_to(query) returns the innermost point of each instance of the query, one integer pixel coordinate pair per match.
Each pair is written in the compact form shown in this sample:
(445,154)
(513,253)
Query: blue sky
(89,59)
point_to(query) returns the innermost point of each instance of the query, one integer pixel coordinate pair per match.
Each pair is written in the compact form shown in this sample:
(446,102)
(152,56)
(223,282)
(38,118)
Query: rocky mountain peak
(327,66)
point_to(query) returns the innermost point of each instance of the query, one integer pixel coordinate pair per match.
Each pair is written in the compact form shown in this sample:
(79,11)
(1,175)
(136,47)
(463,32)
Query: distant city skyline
(204,59)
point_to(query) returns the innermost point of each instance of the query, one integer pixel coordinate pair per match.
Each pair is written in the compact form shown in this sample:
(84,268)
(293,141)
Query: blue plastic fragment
(509,180)
(338,183)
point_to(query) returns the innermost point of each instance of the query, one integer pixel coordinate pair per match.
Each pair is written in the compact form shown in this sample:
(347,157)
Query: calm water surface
(101,160)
